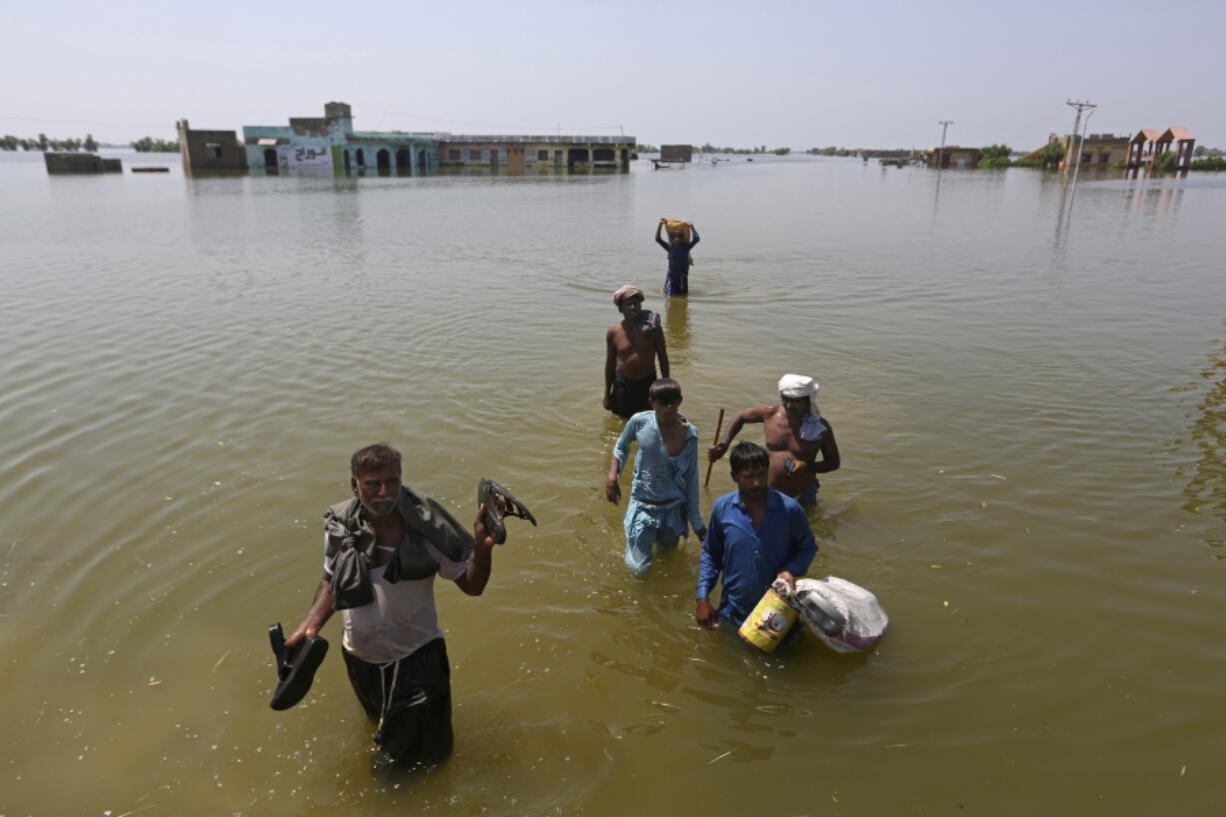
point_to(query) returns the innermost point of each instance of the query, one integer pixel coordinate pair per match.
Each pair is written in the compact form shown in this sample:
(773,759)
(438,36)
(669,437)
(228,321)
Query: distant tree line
(833,151)
(44,144)
(151,145)
(710,148)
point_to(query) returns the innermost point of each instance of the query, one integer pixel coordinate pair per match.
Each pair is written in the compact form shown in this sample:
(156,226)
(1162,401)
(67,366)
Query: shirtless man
(796,433)
(632,347)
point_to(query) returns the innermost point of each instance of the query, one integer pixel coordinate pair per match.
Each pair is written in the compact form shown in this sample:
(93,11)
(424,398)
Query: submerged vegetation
(994,156)
(1048,157)
(151,145)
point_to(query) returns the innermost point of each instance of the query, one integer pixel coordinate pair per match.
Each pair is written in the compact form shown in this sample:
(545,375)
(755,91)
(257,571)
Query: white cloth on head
(796,386)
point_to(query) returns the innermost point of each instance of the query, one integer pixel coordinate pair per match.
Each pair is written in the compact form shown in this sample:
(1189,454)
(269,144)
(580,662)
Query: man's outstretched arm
(477,574)
(610,369)
(321,610)
(757,414)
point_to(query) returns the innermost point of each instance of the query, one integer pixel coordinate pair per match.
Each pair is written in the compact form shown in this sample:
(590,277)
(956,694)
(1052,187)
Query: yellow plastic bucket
(769,622)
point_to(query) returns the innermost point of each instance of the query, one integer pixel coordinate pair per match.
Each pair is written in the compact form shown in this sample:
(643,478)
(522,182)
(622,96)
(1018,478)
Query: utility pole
(1081,107)
(944,123)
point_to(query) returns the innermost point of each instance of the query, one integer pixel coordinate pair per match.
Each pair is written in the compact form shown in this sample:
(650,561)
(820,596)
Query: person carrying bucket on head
(755,535)
(682,237)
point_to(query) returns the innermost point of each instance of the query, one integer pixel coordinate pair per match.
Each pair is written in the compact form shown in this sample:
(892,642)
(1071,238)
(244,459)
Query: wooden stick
(718,428)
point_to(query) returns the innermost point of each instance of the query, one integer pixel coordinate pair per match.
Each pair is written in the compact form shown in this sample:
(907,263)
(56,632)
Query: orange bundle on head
(673,225)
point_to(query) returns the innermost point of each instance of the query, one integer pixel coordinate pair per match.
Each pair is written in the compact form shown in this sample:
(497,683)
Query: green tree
(1166,163)
(994,156)
(1215,163)
(8,143)
(42,142)
(90,144)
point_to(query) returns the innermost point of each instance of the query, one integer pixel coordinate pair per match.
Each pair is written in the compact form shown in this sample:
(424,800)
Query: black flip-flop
(294,677)
(487,493)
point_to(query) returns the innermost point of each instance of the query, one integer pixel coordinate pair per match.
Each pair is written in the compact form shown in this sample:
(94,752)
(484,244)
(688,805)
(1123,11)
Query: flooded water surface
(1028,394)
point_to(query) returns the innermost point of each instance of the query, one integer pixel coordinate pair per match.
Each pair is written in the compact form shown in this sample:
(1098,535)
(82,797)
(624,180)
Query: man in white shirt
(383,549)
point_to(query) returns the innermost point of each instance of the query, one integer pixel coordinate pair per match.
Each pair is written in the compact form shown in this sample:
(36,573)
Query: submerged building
(329,145)
(210,150)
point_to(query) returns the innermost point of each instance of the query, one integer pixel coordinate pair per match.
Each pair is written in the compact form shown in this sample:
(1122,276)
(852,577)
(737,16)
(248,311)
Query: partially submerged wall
(81,163)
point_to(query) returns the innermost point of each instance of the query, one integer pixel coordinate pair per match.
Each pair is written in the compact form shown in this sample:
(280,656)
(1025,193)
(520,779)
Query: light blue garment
(663,492)
(650,525)
(659,478)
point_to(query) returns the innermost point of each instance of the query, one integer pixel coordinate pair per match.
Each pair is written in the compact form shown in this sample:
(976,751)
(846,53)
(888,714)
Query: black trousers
(410,699)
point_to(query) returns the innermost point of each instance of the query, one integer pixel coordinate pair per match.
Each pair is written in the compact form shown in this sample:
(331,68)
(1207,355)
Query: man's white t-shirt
(402,617)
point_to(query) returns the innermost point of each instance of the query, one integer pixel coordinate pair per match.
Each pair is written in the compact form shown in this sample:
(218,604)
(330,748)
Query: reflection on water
(677,326)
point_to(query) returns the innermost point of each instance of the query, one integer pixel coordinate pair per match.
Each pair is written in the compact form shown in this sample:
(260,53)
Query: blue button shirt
(750,558)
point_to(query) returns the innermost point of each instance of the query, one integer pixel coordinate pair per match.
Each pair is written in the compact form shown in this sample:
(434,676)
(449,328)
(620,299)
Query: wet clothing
(677,282)
(809,495)
(648,526)
(393,646)
(663,492)
(630,396)
(400,616)
(348,537)
(750,558)
(410,700)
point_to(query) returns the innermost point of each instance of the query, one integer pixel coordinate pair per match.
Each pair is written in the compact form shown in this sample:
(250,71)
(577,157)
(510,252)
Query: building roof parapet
(391,137)
(551,139)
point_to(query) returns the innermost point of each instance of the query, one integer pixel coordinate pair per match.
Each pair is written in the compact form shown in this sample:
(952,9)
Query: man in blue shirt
(756,534)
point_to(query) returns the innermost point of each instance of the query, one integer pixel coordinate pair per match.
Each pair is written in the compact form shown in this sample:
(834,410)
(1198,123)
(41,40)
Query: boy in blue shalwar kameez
(664,491)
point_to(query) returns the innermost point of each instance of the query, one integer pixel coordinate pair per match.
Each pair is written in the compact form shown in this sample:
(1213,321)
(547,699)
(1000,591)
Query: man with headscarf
(796,432)
(631,349)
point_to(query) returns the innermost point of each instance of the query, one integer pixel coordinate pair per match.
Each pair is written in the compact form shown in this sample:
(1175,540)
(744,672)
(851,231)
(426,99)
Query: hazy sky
(732,73)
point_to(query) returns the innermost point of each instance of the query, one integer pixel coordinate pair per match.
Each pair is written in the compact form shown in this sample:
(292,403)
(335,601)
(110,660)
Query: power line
(1080,106)
(944,123)
(495,126)
(85,122)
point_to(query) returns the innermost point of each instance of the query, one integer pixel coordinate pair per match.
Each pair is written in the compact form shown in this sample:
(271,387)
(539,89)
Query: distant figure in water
(631,349)
(796,432)
(678,249)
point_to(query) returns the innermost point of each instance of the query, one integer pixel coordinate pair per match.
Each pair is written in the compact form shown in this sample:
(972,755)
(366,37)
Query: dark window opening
(212,150)
(542,156)
(361,157)
(474,155)
(454,154)
(602,155)
(383,159)
(404,159)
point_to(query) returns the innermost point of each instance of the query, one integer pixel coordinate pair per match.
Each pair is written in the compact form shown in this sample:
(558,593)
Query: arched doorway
(361,157)
(422,162)
(383,160)
(576,156)
(404,161)
(270,159)
(347,161)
